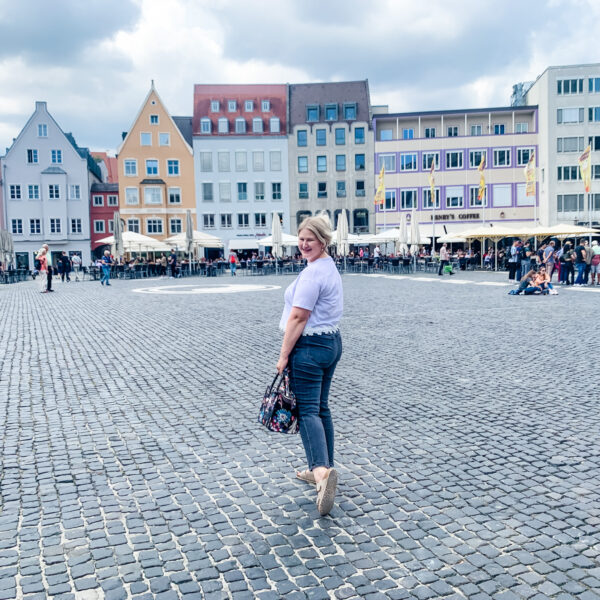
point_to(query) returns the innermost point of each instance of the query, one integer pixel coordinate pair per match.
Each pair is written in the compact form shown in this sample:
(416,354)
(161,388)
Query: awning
(443,228)
(247,244)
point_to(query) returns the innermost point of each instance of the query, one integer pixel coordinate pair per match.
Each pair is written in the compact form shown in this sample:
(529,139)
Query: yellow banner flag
(380,193)
(585,168)
(530,175)
(481,193)
(432,181)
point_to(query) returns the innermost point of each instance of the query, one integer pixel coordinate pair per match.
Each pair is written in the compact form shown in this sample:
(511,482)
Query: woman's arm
(293,330)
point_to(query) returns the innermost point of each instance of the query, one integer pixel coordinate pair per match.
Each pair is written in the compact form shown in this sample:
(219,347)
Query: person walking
(65,267)
(580,262)
(549,258)
(566,268)
(514,260)
(311,348)
(45,269)
(595,263)
(444,259)
(76,262)
(232,262)
(106,262)
(173,263)
(588,263)
(163,265)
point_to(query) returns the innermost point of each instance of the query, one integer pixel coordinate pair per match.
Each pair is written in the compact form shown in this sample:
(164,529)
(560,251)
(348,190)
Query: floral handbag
(278,411)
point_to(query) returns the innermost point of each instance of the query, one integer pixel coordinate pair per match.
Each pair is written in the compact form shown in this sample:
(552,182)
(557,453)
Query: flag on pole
(380,193)
(585,168)
(481,193)
(432,181)
(530,175)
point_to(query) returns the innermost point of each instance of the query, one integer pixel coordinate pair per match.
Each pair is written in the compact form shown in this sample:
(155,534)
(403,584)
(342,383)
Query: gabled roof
(111,165)
(184,124)
(105,187)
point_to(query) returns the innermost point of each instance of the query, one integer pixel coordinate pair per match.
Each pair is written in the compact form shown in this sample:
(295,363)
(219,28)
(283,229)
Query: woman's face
(309,245)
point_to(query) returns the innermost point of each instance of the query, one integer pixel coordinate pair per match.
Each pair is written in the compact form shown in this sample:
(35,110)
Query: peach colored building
(156,171)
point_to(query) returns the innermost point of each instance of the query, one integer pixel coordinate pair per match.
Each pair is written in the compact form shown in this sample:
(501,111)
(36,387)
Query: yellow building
(156,171)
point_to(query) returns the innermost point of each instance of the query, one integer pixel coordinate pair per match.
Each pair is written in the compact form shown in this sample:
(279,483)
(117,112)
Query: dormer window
(265,105)
(205,125)
(249,106)
(312,112)
(257,125)
(214,106)
(223,125)
(350,111)
(240,126)
(274,125)
(231,105)
(331,112)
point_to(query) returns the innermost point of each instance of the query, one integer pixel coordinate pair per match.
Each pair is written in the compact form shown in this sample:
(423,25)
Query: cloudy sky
(93,61)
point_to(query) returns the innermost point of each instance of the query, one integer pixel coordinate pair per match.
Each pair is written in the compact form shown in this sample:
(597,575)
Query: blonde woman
(45,270)
(311,348)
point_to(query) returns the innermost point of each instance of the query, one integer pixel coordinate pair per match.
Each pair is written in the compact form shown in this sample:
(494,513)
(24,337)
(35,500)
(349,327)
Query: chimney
(40,106)
(124,135)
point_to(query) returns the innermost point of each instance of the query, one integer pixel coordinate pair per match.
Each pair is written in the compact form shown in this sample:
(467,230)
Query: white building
(569,119)
(46,180)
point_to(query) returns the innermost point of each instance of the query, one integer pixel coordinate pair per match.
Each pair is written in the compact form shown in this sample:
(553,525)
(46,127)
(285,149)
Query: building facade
(455,140)
(569,120)
(240,155)
(46,181)
(156,171)
(331,153)
(104,203)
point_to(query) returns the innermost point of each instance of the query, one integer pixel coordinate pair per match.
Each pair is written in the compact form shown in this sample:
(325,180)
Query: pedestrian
(376,256)
(106,262)
(514,261)
(580,262)
(595,262)
(173,263)
(76,262)
(566,266)
(45,270)
(588,263)
(444,259)
(312,347)
(163,265)
(549,258)
(64,267)
(232,262)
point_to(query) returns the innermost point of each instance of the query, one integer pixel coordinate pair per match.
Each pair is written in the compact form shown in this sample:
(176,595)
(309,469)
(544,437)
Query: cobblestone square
(132,466)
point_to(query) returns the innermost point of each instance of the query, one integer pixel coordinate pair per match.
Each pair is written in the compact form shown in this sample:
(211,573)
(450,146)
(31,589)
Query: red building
(104,202)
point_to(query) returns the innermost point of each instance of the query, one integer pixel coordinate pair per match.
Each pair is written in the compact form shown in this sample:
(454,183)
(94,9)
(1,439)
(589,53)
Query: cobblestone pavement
(132,466)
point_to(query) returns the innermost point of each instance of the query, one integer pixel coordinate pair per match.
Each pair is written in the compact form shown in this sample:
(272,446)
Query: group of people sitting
(535,282)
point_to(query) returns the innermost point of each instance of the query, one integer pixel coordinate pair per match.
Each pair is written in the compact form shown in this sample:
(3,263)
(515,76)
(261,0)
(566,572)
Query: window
(205,125)
(265,105)
(130,167)
(454,160)
(35,226)
(359,135)
(55,226)
(408,162)
(174,194)
(321,136)
(223,159)
(594,202)
(408,198)
(594,142)
(152,195)
(475,157)
(312,112)
(594,84)
(476,129)
(340,162)
(257,125)
(303,164)
(274,125)
(275,160)
(570,173)
(242,191)
(360,189)
(349,111)
(98,226)
(111,226)
(522,199)
(75,192)
(226,221)
(206,162)
(17,226)
(569,115)
(76,226)
(131,196)
(501,195)
(429,132)
(175,226)
(331,112)
(56,156)
(502,157)
(154,226)
(408,134)
(427,203)
(241,161)
(98,201)
(207,192)
(474,200)
(151,167)
(523,156)
(133,225)
(15,192)
(521,127)
(53,192)
(113,201)
(173,167)
(164,139)
(385,135)
(259,191)
(361,220)
(42,130)
(223,125)
(231,105)
(340,189)
(260,220)
(428,157)
(258,160)
(301,137)
(32,156)
(359,162)
(573,144)
(453,131)
(33,192)
(390,200)
(594,114)
(455,196)
(321,164)
(303,191)
(240,126)
(388,161)
(322,189)
(214,106)
(225,191)
(248,105)
(276,191)
(499,129)
(569,202)
(569,86)
(340,136)
(153,119)
(145,139)
(243,220)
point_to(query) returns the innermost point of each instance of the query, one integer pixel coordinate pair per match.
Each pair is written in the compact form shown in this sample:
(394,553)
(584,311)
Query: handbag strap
(277,376)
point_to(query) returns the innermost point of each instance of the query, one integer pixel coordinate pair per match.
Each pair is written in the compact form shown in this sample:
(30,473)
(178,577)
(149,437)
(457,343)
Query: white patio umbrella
(201,240)
(341,238)
(402,240)
(287,240)
(276,237)
(415,236)
(189,237)
(136,242)
(6,247)
(118,235)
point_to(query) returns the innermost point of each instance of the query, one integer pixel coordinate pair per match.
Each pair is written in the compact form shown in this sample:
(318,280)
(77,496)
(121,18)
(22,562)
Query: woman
(524,284)
(45,274)
(312,347)
(542,281)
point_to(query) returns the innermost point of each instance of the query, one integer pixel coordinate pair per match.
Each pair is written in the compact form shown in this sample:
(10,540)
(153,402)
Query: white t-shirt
(318,289)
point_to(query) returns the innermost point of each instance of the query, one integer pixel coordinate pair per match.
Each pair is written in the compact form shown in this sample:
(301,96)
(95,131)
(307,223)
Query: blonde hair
(319,227)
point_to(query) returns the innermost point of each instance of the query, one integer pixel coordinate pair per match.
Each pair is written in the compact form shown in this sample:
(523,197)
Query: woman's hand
(281,364)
